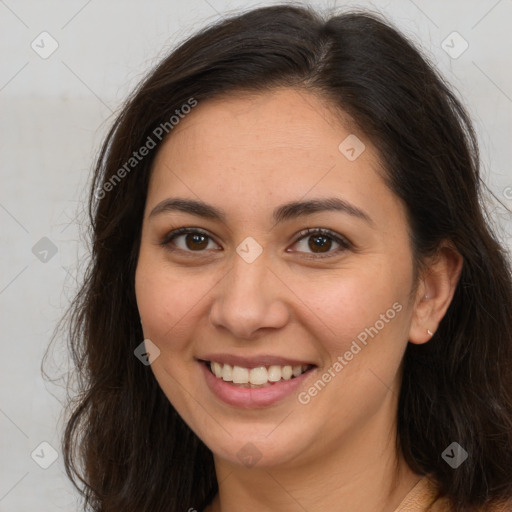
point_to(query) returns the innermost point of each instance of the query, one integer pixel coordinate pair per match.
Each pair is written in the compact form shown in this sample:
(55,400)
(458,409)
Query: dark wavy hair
(125,447)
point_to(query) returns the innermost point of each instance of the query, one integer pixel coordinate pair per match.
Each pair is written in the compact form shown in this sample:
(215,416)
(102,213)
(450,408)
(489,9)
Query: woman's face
(250,289)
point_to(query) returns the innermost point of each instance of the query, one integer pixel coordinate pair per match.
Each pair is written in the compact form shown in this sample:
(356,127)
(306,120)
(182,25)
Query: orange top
(424,497)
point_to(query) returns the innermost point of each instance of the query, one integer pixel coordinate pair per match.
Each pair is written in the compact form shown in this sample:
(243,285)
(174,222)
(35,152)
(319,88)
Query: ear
(435,292)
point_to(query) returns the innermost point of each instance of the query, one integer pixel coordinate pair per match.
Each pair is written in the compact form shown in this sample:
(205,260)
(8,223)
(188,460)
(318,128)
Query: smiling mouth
(259,377)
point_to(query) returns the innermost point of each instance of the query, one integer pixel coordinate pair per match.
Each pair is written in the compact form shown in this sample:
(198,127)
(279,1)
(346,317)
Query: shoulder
(446,504)
(426,497)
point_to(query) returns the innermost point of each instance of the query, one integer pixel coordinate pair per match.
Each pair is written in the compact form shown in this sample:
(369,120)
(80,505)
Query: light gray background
(53,115)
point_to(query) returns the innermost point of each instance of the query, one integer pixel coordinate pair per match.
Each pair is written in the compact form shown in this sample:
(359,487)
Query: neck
(365,473)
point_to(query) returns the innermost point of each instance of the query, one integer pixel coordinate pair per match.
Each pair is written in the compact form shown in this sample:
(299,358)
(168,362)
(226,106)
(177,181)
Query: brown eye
(320,241)
(188,240)
(196,241)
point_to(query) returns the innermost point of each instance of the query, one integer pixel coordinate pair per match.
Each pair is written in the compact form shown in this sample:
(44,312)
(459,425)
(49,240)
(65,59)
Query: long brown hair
(125,447)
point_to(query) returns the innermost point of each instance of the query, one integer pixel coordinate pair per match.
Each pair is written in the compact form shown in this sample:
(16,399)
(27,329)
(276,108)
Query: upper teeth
(258,376)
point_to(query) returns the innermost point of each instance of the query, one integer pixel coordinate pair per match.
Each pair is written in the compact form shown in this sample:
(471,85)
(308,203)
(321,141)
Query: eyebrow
(281,213)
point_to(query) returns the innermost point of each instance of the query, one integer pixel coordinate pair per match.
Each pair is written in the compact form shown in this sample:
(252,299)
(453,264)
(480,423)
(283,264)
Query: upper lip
(254,361)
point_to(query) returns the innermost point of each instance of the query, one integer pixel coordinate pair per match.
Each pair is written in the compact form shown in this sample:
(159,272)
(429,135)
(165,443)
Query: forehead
(280,121)
(272,147)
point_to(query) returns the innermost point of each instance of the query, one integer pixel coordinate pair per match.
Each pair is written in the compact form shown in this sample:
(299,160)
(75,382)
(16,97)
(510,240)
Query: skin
(248,155)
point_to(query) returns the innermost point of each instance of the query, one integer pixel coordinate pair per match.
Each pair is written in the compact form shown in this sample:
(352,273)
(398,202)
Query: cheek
(361,329)
(373,320)
(166,304)
(169,304)
(341,305)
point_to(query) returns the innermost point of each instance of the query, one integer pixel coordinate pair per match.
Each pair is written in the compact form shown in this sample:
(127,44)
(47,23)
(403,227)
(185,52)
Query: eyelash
(308,232)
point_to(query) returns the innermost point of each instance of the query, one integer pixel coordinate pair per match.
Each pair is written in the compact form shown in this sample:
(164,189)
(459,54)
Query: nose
(249,299)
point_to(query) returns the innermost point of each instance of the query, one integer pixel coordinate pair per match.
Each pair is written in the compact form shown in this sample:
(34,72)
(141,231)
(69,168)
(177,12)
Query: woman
(287,212)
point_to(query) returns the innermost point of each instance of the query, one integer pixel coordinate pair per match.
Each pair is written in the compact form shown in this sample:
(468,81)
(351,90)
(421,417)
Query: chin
(263,448)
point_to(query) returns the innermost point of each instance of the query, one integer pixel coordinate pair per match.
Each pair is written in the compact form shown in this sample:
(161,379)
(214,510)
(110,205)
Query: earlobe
(435,292)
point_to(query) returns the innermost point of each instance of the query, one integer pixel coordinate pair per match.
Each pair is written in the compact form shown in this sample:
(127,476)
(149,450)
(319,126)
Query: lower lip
(252,397)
